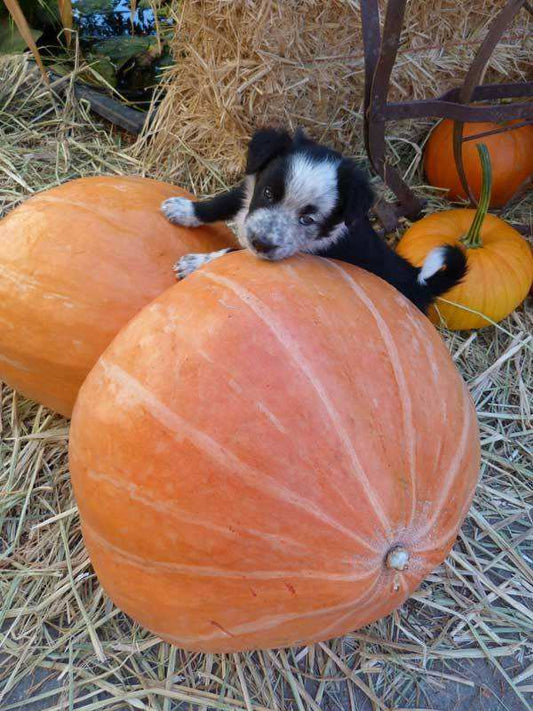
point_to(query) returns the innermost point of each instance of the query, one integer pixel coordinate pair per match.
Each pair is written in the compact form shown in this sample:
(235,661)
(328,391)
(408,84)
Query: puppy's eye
(306,220)
(268,194)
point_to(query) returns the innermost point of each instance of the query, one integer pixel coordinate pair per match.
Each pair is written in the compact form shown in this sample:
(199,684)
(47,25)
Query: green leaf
(102,66)
(121,49)
(87,7)
(11,41)
(59,68)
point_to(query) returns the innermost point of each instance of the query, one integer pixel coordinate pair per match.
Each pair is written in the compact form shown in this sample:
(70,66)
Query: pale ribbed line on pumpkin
(100,214)
(207,571)
(366,598)
(270,416)
(285,339)
(332,630)
(142,494)
(14,363)
(258,404)
(445,541)
(374,596)
(428,347)
(265,623)
(23,281)
(453,471)
(260,481)
(399,375)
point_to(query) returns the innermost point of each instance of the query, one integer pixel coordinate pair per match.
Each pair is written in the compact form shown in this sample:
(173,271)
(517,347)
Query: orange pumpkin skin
(253,445)
(76,263)
(500,272)
(511,155)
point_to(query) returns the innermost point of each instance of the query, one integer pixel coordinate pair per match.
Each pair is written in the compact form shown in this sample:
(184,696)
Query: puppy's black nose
(260,244)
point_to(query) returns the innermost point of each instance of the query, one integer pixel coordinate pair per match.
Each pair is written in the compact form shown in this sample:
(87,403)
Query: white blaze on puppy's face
(311,183)
(293,222)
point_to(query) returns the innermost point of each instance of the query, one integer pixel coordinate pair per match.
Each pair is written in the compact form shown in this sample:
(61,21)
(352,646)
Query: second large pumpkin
(76,263)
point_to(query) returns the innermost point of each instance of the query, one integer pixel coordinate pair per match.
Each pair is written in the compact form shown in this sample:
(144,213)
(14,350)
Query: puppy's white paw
(180,211)
(189,263)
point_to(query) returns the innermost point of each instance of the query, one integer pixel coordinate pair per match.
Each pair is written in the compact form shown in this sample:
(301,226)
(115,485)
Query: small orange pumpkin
(269,423)
(500,263)
(511,155)
(76,263)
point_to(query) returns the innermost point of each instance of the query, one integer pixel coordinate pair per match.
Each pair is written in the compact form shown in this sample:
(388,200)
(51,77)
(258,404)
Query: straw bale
(240,64)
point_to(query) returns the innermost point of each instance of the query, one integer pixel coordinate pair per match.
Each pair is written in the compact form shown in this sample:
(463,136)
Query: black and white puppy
(299,196)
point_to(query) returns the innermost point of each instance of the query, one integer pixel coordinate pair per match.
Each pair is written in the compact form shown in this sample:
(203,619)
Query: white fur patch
(311,183)
(432,264)
(180,211)
(189,263)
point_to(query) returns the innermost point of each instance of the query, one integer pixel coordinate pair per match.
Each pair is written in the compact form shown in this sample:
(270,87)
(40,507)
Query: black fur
(222,207)
(455,271)
(356,196)
(362,247)
(268,160)
(265,145)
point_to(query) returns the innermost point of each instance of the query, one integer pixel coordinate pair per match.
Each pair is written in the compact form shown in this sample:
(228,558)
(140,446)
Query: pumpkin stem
(472,239)
(397,558)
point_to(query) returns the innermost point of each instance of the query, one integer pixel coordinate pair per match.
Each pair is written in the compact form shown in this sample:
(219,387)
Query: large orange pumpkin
(511,154)
(271,454)
(76,263)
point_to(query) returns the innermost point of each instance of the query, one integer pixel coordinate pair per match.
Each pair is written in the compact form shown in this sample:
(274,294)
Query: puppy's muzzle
(268,233)
(260,244)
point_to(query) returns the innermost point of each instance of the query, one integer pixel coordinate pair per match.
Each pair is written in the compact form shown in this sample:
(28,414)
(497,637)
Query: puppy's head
(300,195)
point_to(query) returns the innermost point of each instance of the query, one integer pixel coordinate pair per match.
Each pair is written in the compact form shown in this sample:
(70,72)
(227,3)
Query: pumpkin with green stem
(500,262)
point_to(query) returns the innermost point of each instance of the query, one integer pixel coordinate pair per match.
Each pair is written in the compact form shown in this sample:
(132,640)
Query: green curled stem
(472,239)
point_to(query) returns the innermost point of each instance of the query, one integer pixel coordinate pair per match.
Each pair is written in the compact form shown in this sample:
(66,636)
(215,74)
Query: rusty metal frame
(381,49)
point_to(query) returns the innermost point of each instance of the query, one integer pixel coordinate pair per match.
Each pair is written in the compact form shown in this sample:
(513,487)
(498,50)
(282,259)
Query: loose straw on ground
(62,642)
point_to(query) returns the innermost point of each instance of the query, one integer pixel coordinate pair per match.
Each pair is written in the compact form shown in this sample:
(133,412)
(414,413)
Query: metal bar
(503,129)
(473,77)
(411,204)
(390,40)
(380,56)
(447,109)
(387,215)
(497,28)
(371,44)
(377,98)
(484,92)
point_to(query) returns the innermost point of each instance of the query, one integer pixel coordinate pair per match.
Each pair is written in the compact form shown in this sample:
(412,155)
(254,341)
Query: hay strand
(466,631)
(245,63)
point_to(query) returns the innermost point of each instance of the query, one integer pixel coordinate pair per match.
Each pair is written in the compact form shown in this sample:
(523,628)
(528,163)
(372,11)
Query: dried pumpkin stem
(397,558)
(472,240)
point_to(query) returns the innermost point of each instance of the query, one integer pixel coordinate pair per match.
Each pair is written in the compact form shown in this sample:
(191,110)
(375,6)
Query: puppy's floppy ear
(355,193)
(265,145)
(301,138)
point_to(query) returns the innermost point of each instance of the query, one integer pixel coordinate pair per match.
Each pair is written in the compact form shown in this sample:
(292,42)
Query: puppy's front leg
(189,263)
(182,211)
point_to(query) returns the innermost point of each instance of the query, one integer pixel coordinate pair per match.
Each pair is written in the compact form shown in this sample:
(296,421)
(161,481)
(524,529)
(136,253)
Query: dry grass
(243,63)
(60,634)
(44,140)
